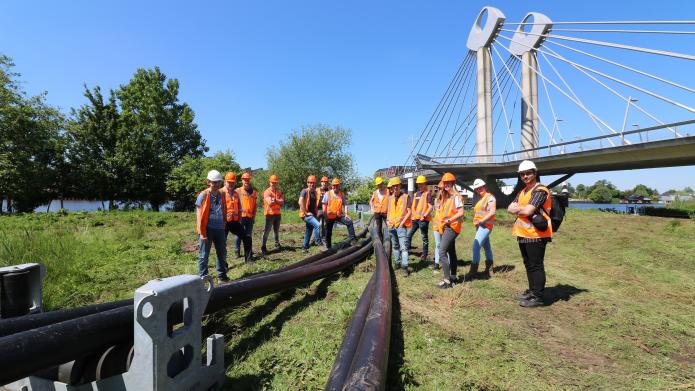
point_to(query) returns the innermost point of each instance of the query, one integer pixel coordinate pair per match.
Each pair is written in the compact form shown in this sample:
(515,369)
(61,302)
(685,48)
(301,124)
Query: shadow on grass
(248,382)
(480,275)
(559,292)
(397,374)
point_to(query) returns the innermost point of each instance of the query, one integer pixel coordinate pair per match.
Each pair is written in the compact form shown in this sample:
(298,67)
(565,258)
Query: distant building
(636,200)
(393,171)
(667,199)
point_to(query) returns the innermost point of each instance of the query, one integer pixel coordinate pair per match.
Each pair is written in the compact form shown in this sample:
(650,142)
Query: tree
(29,143)
(601,193)
(688,190)
(157,133)
(312,150)
(187,179)
(581,191)
(363,193)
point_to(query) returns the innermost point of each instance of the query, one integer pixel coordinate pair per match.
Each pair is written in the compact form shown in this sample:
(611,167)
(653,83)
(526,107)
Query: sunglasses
(526,173)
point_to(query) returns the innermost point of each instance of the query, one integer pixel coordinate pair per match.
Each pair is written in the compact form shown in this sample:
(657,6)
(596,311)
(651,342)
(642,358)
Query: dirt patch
(190,246)
(578,355)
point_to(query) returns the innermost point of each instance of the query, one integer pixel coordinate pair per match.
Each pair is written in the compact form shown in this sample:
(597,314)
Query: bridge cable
(446,93)
(643,90)
(569,97)
(613,45)
(504,103)
(627,100)
(552,109)
(623,66)
(612,22)
(446,110)
(625,31)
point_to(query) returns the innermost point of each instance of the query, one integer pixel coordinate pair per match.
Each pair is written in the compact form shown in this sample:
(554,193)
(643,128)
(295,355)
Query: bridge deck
(663,153)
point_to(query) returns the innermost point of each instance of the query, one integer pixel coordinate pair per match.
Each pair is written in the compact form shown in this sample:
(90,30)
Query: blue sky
(254,71)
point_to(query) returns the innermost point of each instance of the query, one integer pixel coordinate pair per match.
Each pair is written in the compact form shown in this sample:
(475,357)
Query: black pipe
(28,322)
(343,359)
(368,369)
(24,353)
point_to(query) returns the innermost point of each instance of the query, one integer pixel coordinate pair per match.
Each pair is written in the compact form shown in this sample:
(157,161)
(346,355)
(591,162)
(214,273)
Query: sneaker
(305,251)
(524,296)
(278,246)
(398,265)
(436,266)
(531,302)
(237,253)
(264,251)
(454,279)
(405,272)
(223,279)
(443,284)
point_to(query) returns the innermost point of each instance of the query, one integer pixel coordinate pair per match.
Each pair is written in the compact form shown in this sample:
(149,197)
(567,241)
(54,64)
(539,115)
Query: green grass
(622,315)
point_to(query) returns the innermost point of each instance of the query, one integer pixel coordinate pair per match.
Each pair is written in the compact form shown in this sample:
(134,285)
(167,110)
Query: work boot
(488,268)
(237,253)
(533,301)
(398,265)
(473,270)
(405,272)
(527,293)
(278,246)
(248,257)
(264,251)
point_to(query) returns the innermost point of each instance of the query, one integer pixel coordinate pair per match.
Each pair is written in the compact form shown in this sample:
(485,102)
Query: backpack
(557,210)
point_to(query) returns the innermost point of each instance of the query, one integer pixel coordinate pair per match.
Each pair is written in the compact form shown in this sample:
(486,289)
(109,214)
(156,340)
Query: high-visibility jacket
(481,208)
(334,207)
(248,202)
(449,210)
(523,227)
(398,207)
(379,206)
(232,204)
(308,199)
(437,219)
(202,217)
(271,209)
(419,206)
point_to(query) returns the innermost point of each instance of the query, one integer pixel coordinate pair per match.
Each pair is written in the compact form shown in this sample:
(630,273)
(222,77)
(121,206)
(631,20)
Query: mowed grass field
(621,294)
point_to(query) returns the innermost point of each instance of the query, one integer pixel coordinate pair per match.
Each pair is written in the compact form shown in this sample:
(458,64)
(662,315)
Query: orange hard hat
(311,179)
(324,179)
(230,177)
(448,177)
(246,175)
(273,179)
(335,181)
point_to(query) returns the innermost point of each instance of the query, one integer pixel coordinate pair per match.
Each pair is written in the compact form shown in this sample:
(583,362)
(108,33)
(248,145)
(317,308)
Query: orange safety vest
(232,205)
(274,208)
(437,219)
(482,208)
(449,210)
(419,205)
(379,206)
(523,227)
(248,202)
(308,198)
(335,205)
(397,209)
(202,217)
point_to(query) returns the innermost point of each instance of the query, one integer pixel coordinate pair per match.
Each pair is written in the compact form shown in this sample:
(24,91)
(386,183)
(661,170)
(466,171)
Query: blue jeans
(482,238)
(247,224)
(312,225)
(399,242)
(217,237)
(422,225)
(437,240)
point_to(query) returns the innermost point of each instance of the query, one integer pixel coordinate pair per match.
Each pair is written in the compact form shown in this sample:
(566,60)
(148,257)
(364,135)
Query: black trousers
(237,229)
(342,220)
(534,255)
(380,223)
(447,253)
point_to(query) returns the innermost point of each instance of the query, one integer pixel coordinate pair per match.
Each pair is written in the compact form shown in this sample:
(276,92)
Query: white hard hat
(478,183)
(214,176)
(526,165)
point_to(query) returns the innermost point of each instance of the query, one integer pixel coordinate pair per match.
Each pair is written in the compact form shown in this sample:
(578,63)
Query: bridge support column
(484,90)
(529,104)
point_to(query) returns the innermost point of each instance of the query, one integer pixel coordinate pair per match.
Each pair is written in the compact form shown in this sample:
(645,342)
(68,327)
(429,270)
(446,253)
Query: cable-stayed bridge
(574,96)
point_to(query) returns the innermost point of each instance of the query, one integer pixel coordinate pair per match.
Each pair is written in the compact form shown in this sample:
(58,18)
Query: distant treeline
(137,143)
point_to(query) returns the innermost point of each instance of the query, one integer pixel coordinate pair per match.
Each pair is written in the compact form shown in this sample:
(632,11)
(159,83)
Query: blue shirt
(215,218)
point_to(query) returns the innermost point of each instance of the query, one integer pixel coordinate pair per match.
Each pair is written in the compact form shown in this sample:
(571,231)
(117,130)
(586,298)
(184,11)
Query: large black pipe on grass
(24,353)
(28,322)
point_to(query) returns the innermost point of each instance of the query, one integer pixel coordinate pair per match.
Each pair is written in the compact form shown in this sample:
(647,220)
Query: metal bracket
(167,355)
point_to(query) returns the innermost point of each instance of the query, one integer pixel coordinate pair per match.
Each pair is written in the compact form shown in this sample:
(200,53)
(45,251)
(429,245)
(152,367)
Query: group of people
(222,208)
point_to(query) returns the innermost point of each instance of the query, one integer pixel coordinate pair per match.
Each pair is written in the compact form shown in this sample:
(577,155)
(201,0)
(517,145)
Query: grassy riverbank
(621,288)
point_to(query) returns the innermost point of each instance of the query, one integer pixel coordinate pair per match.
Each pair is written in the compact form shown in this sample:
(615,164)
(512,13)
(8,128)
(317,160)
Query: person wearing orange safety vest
(398,220)
(335,210)
(533,229)
(211,208)
(483,221)
(233,215)
(323,189)
(421,208)
(379,204)
(248,198)
(436,223)
(450,228)
(272,202)
(309,206)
